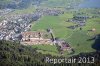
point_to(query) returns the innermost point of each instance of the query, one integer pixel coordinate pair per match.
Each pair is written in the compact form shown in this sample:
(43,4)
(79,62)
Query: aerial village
(18,28)
(49,32)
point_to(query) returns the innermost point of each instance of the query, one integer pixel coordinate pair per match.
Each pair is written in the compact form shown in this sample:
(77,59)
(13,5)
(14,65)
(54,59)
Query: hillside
(14,54)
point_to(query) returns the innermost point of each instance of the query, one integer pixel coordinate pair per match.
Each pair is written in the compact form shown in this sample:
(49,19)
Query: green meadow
(47,49)
(78,39)
(55,23)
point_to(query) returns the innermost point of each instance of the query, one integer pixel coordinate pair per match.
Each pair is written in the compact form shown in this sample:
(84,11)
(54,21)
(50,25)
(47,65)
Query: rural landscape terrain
(31,30)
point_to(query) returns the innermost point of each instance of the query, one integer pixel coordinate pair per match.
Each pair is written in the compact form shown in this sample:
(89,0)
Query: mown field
(77,38)
(58,26)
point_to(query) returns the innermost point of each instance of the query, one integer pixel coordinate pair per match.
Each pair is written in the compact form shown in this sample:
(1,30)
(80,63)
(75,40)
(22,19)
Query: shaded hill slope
(14,54)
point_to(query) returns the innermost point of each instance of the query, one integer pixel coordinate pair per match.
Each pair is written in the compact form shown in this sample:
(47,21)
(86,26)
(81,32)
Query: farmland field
(77,38)
(55,23)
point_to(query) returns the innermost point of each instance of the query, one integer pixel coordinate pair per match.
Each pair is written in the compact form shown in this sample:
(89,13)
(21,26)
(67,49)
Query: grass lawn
(47,52)
(50,48)
(47,49)
(55,23)
(79,41)
(93,23)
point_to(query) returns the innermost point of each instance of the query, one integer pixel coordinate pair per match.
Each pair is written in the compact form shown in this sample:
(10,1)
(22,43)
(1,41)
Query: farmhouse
(64,46)
(81,17)
(34,38)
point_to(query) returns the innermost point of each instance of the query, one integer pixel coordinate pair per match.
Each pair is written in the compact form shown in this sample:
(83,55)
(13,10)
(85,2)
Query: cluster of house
(64,46)
(48,11)
(79,20)
(35,38)
(11,27)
